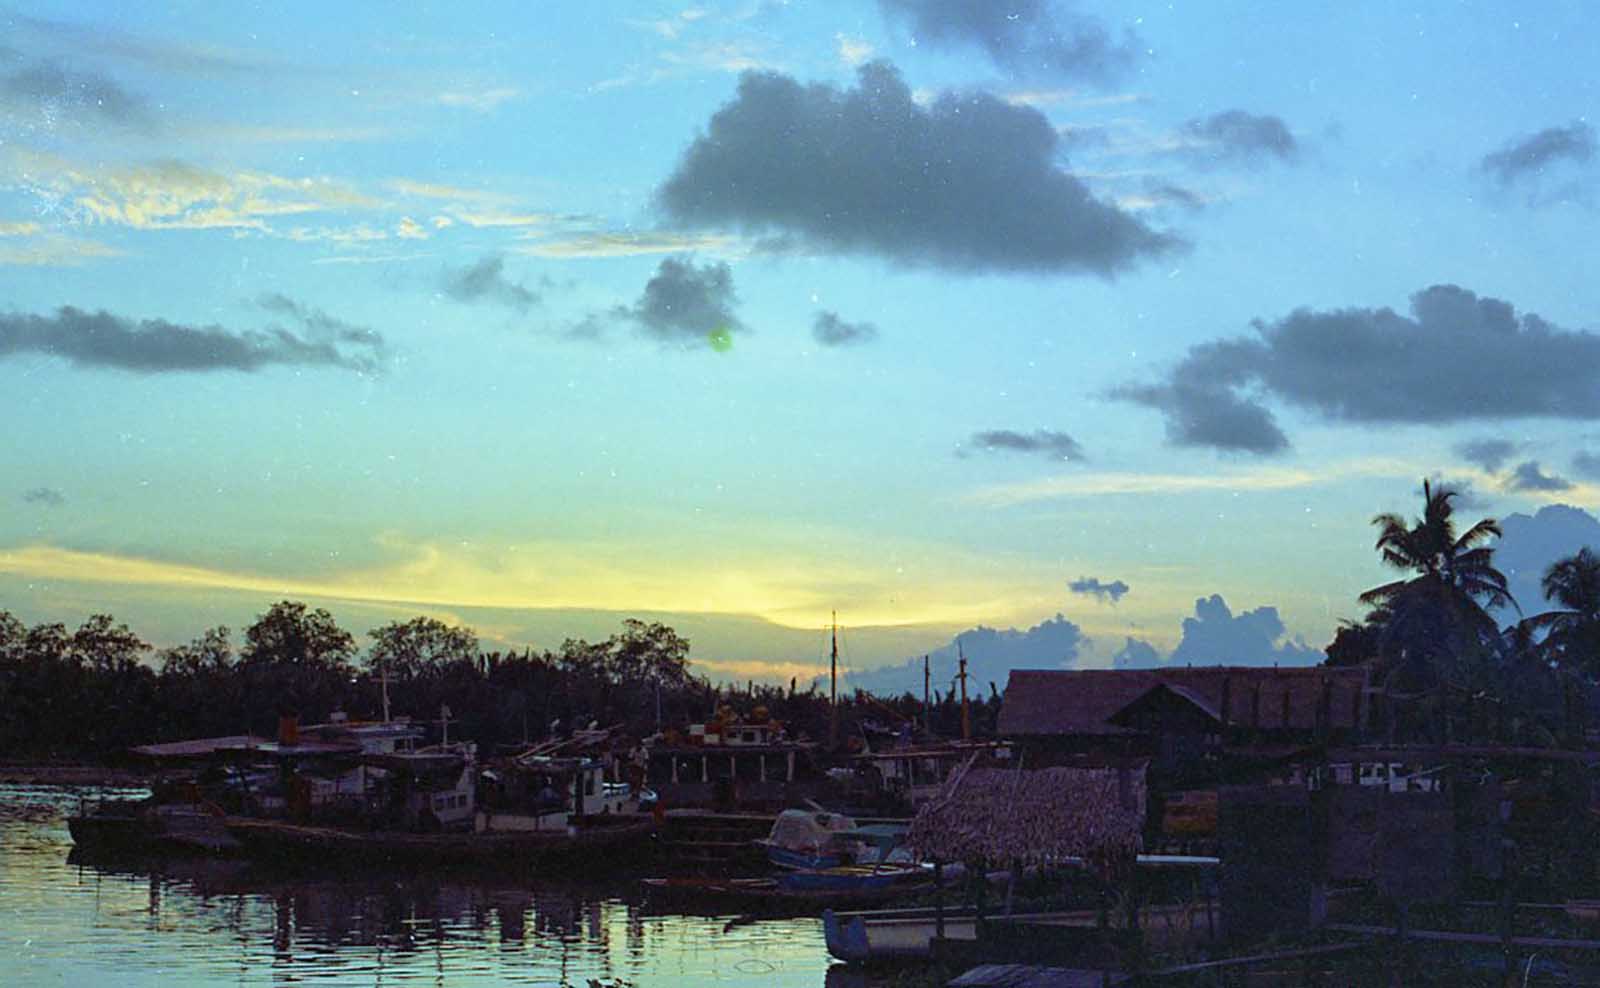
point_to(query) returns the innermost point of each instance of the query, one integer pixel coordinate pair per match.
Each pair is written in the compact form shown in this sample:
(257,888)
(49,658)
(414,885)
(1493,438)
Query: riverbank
(68,774)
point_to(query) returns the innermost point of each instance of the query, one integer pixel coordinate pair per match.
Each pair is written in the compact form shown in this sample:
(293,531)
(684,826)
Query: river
(176,923)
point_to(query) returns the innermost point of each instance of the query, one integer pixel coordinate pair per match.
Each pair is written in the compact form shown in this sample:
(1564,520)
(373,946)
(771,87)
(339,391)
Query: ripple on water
(179,923)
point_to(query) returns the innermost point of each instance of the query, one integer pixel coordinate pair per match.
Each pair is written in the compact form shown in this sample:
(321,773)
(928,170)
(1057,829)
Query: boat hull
(586,847)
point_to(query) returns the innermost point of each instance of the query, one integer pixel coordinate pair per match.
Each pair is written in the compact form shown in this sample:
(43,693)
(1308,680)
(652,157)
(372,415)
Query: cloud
(1047,443)
(1467,497)
(1529,156)
(1155,194)
(162,55)
(1216,636)
(153,346)
(829,330)
(1236,135)
(684,302)
(1136,653)
(991,654)
(478,101)
(1457,357)
(609,244)
(970,183)
(1093,587)
(486,281)
(1022,37)
(1529,544)
(1587,464)
(321,327)
(172,194)
(50,92)
(1528,477)
(1490,454)
(47,496)
(853,51)
(53,250)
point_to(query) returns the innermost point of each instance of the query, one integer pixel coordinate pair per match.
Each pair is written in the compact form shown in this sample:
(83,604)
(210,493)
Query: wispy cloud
(1045,442)
(613,244)
(480,100)
(1266,479)
(1100,590)
(486,281)
(54,251)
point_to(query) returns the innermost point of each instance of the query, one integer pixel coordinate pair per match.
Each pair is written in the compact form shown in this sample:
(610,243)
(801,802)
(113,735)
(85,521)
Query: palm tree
(1574,632)
(1438,616)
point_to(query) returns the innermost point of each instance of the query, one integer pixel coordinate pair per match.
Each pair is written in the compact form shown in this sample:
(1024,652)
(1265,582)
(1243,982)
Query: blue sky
(741,313)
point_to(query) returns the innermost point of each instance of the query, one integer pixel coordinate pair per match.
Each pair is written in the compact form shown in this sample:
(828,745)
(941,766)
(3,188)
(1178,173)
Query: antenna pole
(833,688)
(927,708)
(966,718)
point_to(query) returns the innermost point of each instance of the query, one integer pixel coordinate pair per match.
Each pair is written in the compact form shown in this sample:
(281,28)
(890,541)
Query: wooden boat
(906,934)
(770,896)
(598,839)
(146,825)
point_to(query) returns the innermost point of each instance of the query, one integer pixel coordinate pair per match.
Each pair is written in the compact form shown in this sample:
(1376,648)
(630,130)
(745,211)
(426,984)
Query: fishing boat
(149,825)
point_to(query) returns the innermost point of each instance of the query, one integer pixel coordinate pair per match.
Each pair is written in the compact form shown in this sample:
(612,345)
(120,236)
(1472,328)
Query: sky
(937,314)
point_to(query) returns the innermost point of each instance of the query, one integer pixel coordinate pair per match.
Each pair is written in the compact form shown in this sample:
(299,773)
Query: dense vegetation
(93,692)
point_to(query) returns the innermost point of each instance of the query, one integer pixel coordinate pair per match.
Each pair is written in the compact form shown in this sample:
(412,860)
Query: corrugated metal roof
(198,747)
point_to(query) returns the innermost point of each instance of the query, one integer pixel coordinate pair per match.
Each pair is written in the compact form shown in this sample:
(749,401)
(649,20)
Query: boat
(887,935)
(811,839)
(151,825)
(768,895)
(598,839)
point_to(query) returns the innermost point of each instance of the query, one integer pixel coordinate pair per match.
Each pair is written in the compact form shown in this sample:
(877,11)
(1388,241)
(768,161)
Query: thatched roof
(1033,817)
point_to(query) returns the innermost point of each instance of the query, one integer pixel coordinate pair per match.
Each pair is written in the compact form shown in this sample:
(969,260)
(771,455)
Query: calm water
(222,922)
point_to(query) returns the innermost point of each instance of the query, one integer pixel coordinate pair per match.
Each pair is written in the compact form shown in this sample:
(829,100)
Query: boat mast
(966,719)
(833,687)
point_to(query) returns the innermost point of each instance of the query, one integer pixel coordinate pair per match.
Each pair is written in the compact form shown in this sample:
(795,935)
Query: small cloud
(1217,636)
(410,229)
(1136,653)
(480,101)
(829,330)
(47,92)
(1528,477)
(686,303)
(1052,445)
(1241,136)
(1092,586)
(1586,464)
(1491,454)
(1530,156)
(47,496)
(486,281)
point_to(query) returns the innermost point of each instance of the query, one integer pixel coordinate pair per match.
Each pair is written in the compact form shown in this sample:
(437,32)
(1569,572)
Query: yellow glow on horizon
(780,588)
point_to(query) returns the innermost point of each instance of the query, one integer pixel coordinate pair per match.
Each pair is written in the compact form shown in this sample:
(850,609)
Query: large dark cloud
(1528,477)
(486,281)
(991,655)
(1026,38)
(1491,454)
(1045,442)
(1094,587)
(684,302)
(1235,135)
(971,183)
(49,92)
(152,346)
(1530,156)
(829,330)
(1457,357)
(1217,636)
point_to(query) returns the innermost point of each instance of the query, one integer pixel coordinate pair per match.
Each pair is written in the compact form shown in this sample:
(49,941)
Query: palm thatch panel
(1003,817)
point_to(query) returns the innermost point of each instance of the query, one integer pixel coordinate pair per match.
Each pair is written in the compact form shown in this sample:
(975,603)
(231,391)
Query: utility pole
(833,688)
(927,708)
(966,718)
(383,677)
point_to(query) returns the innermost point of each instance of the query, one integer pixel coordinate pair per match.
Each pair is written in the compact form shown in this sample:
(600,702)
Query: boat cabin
(552,793)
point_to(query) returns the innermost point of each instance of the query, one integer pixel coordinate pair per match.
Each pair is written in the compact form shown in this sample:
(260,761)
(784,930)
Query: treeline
(92,693)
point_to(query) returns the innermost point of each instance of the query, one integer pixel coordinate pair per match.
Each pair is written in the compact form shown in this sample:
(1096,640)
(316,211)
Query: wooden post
(833,687)
(927,708)
(938,900)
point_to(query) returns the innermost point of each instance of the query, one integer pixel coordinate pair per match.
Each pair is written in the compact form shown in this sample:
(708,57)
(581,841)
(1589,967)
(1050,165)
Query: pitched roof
(1063,701)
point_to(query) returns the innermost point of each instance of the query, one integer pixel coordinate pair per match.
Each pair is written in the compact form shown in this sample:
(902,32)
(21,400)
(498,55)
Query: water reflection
(73,918)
